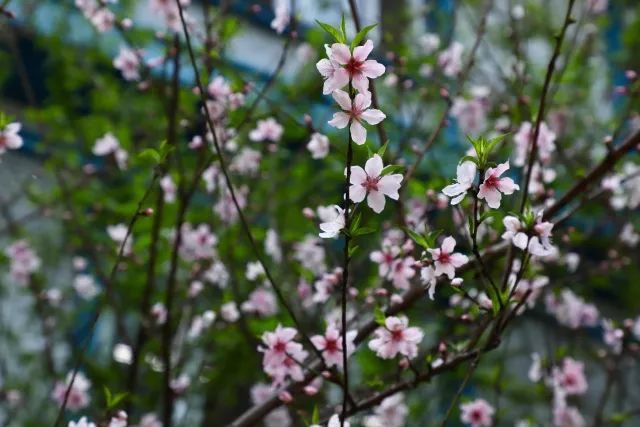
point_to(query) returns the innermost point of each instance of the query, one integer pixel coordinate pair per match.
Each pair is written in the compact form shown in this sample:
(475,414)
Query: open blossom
(262,302)
(392,412)
(369,183)
(318,146)
(247,162)
(168,188)
(278,417)
(571,377)
(567,416)
(330,344)
(326,284)
(78,393)
(282,356)
(197,243)
(445,260)
(335,76)
(310,253)
(267,130)
(85,286)
(334,225)
(385,258)
(571,310)
(401,271)
(478,413)
(128,63)
(540,243)
(466,174)
(396,338)
(524,137)
(450,60)
(282,15)
(429,279)
(150,420)
(9,138)
(494,186)
(357,66)
(23,261)
(218,88)
(355,111)
(109,145)
(514,231)
(82,422)
(470,114)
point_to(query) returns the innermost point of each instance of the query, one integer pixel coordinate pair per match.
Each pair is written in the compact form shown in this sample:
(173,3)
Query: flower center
(331,346)
(280,346)
(353,67)
(444,258)
(491,181)
(396,335)
(371,184)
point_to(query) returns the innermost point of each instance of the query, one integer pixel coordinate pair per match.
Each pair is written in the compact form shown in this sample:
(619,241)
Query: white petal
(339,120)
(343,99)
(373,116)
(376,201)
(358,132)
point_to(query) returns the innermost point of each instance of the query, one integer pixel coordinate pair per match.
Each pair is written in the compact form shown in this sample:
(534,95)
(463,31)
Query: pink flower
(9,138)
(524,137)
(445,260)
(197,243)
(429,278)
(466,174)
(478,413)
(82,422)
(282,355)
(514,232)
(396,337)
(369,183)
(330,344)
(282,15)
(218,88)
(78,393)
(571,377)
(150,420)
(493,185)
(318,146)
(262,302)
(358,67)
(267,130)
(450,60)
(128,63)
(385,258)
(540,243)
(335,76)
(401,271)
(356,112)
(567,416)
(24,261)
(471,115)
(332,227)
(169,188)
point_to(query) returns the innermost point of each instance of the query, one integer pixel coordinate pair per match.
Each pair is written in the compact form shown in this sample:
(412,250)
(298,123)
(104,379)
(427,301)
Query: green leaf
(333,32)
(431,238)
(378,316)
(383,149)
(389,169)
(352,250)
(469,159)
(418,238)
(494,141)
(343,28)
(315,416)
(364,230)
(355,224)
(150,154)
(361,35)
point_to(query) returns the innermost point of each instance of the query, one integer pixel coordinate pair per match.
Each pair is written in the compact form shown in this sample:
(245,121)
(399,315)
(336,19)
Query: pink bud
(403,363)
(308,213)
(310,390)
(285,396)
(630,74)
